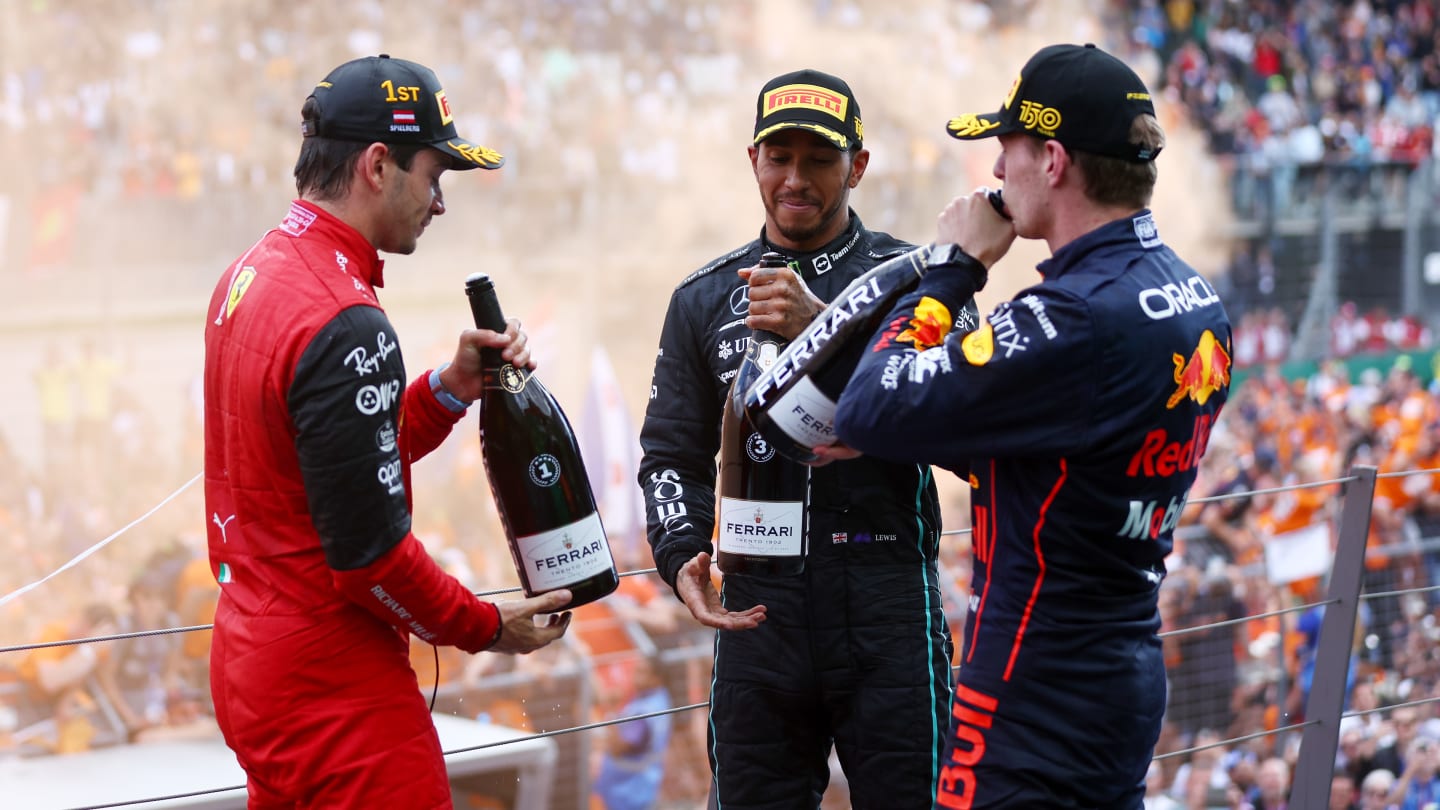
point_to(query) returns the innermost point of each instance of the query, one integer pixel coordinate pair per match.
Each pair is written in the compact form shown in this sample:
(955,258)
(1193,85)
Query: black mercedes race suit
(855,650)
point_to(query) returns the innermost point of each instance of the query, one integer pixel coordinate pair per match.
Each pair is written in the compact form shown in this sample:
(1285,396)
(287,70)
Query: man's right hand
(698,592)
(521,634)
(972,222)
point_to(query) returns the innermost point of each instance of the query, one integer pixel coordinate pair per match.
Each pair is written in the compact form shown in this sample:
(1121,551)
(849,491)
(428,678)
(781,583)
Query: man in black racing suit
(854,652)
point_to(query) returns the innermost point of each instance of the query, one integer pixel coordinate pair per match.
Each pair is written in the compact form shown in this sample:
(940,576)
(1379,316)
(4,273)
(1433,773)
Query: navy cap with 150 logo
(1078,95)
(393,101)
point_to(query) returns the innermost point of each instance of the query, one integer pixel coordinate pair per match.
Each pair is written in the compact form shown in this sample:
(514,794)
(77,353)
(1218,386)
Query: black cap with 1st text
(392,101)
(811,100)
(1078,95)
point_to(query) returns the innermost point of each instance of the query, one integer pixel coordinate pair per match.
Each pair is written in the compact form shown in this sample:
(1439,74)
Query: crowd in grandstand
(1276,85)
(1282,85)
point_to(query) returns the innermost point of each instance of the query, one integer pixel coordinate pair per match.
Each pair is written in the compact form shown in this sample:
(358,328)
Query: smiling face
(411,198)
(805,185)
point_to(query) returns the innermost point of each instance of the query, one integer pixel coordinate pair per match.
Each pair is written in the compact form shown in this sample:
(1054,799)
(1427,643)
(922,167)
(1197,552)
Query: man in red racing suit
(310,431)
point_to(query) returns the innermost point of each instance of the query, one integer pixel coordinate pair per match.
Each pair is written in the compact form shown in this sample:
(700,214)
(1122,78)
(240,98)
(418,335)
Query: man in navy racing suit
(855,651)
(1079,412)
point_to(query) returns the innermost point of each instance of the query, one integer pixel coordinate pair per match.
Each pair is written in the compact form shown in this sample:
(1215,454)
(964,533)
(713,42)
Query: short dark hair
(1118,182)
(325,165)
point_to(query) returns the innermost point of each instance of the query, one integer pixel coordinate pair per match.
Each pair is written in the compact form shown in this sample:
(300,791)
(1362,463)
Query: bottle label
(849,318)
(862,294)
(766,528)
(765,353)
(805,414)
(564,556)
(506,377)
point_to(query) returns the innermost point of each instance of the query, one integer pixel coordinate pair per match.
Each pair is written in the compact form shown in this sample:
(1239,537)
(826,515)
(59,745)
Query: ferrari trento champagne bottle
(762,494)
(536,475)
(793,402)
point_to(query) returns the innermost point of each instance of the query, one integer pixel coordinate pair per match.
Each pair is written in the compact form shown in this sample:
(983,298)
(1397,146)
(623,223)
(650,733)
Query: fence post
(1316,765)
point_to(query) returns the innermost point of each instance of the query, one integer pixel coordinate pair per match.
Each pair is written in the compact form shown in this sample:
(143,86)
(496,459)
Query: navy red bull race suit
(310,430)
(1079,412)
(856,649)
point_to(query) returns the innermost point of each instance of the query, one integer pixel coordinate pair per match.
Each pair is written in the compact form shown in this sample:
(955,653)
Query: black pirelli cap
(811,100)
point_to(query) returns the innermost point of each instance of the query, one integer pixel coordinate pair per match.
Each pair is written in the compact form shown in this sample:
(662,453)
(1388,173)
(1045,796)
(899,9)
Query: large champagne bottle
(762,495)
(792,403)
(536,474)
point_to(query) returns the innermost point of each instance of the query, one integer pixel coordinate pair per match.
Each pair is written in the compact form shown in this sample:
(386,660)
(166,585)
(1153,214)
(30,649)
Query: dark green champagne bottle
(536,474)
(793,402)
(762,494)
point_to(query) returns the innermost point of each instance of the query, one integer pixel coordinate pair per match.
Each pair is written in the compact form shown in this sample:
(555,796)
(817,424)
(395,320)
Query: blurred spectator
(57,413)
(1343,793)
(1155,796)
(1375,790)
(143,677)
(59,681)
(1272,786)
(94,373)
(1418,787)
(632,764)
(1395,750)
(1202,782)
(1203,680)
(1356,753)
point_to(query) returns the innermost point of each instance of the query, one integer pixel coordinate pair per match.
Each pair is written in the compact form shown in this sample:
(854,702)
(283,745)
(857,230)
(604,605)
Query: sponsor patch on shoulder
(1146,232)
(297,220)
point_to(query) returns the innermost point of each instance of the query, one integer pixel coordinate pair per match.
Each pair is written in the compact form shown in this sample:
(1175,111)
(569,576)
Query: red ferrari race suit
(310,431)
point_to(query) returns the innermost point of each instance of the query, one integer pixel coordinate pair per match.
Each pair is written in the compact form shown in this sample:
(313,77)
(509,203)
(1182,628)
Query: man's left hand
(826,453)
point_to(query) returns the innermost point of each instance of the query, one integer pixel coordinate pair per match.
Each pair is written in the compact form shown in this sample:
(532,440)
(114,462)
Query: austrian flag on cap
(403,121)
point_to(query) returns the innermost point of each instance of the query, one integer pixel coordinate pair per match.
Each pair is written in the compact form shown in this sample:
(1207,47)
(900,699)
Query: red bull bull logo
(1204,372)
(928,326)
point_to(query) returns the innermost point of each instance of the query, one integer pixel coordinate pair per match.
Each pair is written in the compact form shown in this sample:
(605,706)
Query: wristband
(451,402)
(499,629)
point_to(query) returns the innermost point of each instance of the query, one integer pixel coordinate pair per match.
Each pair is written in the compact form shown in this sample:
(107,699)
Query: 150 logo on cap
(1035,116)
(808,96)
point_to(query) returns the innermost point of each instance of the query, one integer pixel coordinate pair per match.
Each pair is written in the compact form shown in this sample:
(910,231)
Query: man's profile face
(805,185)
(1021,168)
(411,199)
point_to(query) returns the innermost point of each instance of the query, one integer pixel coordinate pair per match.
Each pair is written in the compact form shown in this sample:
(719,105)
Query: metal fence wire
(1242,683)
